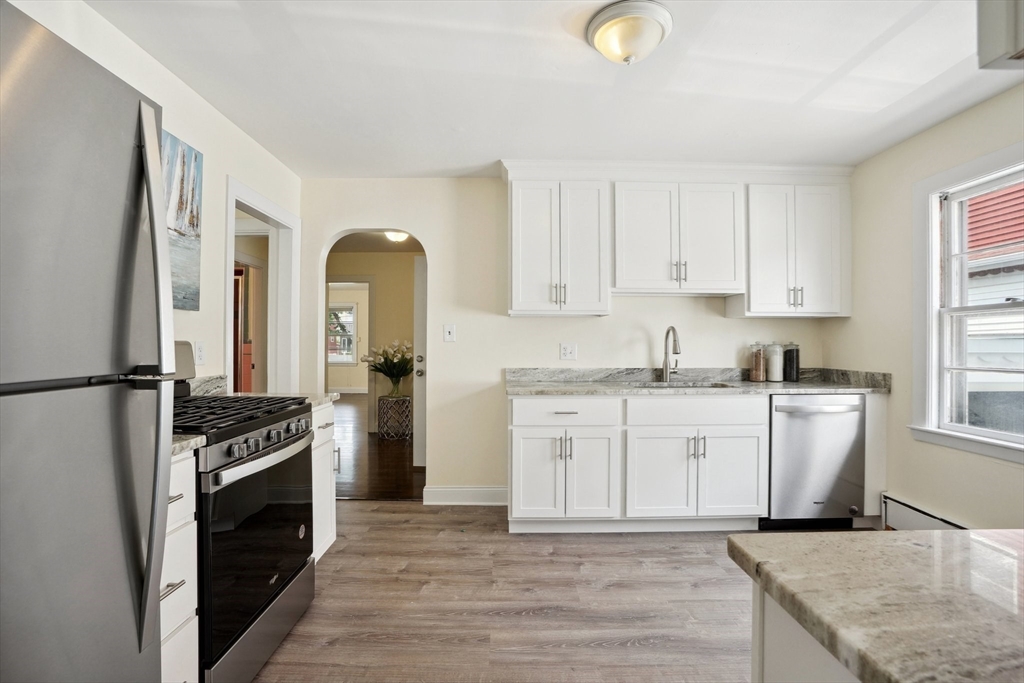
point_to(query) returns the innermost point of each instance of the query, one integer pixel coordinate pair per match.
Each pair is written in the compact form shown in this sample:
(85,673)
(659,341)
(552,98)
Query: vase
(394,417)
(396,387)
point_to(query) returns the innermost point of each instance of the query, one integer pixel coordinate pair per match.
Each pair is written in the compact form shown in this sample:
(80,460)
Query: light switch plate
(200,353)
(567,351)
(449,333)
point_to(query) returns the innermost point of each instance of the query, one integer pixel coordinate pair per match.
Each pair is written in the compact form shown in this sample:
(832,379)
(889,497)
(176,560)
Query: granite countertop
(901,606)
(623,382)
(183,443)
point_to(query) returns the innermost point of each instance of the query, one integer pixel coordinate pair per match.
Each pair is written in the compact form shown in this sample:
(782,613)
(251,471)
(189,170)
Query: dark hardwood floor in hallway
(446,595)
(371,468)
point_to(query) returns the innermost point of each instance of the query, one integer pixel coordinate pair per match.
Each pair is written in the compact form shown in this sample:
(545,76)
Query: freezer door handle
(149,604)
(819,409)
(161,245)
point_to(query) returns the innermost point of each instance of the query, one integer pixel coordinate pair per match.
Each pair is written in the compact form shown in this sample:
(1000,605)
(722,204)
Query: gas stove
(238,427)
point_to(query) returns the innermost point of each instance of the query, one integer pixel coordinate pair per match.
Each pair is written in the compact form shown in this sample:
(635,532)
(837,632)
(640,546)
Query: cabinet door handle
(565,294)
(704,447)
(567,412)
(790,296)
(685,272)
(556,291)
(170,588)
(560,439)
(801,304)
(175,499)
(325,425)
(691,447)
(568,450)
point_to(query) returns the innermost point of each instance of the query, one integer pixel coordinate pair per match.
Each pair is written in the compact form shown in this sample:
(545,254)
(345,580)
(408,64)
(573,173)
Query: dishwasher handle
(819,409)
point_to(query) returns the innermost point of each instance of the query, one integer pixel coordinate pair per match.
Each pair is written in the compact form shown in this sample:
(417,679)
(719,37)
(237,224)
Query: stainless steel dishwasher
(817,457)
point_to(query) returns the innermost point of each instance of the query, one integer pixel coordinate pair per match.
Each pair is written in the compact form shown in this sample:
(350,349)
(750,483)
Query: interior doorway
(375,296)
(249,361)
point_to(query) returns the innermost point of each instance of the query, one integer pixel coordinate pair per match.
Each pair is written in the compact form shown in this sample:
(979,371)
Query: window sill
(342,364)
(967,442)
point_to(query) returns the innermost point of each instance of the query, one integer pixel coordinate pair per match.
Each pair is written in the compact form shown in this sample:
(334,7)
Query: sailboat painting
(183,192)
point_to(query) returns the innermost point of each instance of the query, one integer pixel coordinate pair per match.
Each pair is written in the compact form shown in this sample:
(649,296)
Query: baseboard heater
(901,516)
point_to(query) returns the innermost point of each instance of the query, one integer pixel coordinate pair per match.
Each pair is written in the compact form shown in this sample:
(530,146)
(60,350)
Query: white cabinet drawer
(697,410)
(178,604)
(181,507)
(323,424)
(566,412)
(179,654)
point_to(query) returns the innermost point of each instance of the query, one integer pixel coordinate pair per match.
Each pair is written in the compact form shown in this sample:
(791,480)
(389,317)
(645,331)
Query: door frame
(282,274)
(261,304)
(371,384)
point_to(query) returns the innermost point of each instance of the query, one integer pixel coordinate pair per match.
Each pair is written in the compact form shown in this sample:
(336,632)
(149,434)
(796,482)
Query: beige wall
(226,151)
(972,489)
(394,283)
(257,246)
(462,224)
(352,378)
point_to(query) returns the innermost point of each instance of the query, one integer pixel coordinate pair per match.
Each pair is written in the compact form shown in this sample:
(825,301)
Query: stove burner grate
(205,414)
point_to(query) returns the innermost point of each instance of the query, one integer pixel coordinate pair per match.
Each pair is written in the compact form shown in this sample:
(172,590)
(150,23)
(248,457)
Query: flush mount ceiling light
(395,236)
(628,31)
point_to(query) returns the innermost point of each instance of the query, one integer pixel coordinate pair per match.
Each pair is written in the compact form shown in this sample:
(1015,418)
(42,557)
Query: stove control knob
(239,450)
(304,425)
(276,435)
(294,427)
(254,444)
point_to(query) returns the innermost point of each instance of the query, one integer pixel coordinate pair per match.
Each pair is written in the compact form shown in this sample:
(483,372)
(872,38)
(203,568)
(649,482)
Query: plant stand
(394,417)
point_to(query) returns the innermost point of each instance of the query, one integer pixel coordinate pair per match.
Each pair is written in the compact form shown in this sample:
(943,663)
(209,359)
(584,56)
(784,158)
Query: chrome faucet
(666,371)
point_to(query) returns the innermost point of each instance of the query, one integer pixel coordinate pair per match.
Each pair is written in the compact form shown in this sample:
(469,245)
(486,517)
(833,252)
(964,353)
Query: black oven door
(256,532)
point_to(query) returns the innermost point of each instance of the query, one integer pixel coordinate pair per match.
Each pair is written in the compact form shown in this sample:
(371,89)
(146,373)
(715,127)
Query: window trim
(927,252)
(355,317)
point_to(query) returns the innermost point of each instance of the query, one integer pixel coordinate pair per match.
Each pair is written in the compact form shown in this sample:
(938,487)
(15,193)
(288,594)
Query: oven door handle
(218,480)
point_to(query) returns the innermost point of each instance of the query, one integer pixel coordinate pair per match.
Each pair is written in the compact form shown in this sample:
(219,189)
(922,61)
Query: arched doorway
(375,296)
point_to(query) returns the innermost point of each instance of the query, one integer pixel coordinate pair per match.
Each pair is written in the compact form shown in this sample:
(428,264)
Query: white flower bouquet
(394,362)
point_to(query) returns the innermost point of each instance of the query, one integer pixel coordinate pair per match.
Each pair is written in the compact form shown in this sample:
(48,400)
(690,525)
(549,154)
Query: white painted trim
(285,231)
(968,442)
(925,317)
(465,495)
(613,526)
(420,344)
(347,390)
(910,517)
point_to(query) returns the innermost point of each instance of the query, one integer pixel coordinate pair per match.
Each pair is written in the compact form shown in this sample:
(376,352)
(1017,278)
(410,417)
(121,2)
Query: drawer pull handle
(325,425)
(567,412)
(175,499)
(170,588)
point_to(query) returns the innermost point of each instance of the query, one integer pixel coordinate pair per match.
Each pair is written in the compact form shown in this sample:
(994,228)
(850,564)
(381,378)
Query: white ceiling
(447,88)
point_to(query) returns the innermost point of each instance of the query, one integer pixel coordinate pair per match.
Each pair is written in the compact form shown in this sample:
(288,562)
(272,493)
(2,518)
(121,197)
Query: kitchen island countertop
(900,606)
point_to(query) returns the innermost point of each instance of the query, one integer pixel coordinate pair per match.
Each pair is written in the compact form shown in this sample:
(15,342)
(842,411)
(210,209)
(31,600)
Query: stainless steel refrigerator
(86,343)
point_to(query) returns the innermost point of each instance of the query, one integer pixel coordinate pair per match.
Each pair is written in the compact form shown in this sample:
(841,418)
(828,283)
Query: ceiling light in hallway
(396,236)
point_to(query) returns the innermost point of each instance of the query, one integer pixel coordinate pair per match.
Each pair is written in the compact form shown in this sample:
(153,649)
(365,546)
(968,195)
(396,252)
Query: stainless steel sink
(680,385)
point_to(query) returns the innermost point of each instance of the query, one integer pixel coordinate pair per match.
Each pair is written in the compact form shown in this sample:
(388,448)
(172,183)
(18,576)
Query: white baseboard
(348,390)
(465,495)
(613,526)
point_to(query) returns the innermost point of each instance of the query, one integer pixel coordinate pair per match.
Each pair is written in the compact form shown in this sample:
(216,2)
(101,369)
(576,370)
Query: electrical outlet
(567,351)
(200,353)
(449,333)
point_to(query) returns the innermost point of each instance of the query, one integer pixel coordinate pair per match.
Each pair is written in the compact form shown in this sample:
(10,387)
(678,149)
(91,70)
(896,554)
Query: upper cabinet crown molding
(640,171)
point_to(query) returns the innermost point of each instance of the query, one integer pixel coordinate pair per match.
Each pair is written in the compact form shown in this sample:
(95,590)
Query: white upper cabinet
(560,248)
(710,238)
(799,258)
(647,236)
(678,238)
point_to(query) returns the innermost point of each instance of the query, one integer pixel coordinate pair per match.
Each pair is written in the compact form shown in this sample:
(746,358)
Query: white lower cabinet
(732,471)
(179,580)
(559,472)
(325,526)
(661,472)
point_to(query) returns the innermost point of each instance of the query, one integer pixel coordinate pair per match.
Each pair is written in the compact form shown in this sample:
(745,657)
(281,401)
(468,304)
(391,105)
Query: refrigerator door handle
(161,244)
(149,604)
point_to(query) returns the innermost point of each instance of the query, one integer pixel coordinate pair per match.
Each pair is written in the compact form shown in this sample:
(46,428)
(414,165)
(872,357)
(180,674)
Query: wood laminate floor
(445,594)
(371,468)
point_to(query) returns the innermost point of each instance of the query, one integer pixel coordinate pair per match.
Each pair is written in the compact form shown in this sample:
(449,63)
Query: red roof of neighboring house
(996,218)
